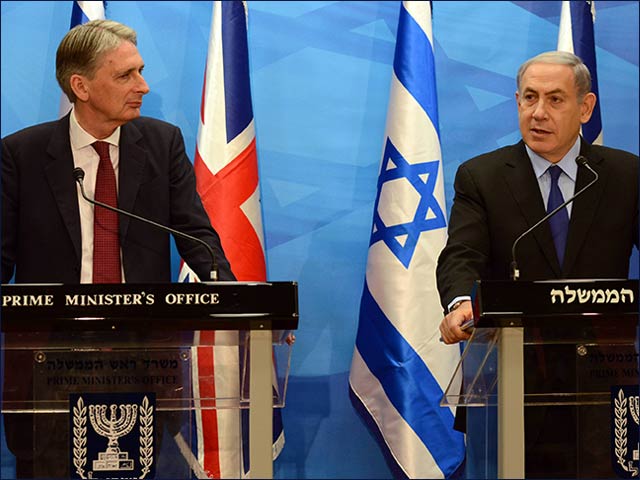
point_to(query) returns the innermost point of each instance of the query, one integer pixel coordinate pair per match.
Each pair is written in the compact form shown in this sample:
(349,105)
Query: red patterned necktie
(106,244)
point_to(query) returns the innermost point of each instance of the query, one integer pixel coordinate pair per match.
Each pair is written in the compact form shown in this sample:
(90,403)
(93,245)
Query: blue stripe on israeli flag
(414,62)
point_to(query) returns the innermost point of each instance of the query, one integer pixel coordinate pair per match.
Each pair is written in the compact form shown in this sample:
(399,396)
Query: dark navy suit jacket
(41,238)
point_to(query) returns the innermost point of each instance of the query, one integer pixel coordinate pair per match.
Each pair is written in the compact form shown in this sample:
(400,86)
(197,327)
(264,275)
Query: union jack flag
(226,168)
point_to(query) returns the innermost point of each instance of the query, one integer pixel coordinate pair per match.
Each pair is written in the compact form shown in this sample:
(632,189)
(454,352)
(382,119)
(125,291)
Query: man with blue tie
(501,194)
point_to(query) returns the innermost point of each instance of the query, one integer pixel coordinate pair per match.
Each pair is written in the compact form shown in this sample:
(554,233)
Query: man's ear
(588,104)
(79,86)
(518,100)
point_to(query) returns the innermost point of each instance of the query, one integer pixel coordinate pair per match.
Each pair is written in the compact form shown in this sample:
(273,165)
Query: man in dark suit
(48,228)
(501,194)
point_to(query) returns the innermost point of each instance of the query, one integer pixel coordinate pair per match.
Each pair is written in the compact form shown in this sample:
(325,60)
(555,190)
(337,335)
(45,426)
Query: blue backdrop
(320,79)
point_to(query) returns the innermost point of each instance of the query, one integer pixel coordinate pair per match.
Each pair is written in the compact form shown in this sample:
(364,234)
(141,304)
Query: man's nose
(142,85)
(540,110)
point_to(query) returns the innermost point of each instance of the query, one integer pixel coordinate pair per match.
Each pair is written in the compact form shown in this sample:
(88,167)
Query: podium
(142,353)
(550,380)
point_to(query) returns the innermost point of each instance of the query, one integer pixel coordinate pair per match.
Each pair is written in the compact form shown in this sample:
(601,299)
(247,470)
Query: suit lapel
(133,159)
(584,207)
(58,170)
(521,179)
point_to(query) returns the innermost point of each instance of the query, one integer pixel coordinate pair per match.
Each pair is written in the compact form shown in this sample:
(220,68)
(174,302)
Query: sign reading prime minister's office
(146,307)
(112,435)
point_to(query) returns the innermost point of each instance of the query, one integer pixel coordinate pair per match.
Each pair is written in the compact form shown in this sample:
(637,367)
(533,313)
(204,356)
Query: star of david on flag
(400,229)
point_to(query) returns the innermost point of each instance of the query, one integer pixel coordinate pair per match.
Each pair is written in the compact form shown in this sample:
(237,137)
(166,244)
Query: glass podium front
(547,392)
(129,395)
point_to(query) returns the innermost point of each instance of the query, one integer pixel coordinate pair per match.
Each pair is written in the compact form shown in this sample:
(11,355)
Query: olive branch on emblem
(620,412)
(146,436)
(80,437)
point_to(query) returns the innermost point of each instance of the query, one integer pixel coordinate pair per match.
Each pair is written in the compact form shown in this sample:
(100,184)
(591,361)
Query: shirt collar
(80,138)
(568,162)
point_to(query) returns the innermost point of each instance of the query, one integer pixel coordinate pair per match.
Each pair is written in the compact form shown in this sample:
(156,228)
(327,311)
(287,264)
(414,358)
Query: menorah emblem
(118,424)
(113,428)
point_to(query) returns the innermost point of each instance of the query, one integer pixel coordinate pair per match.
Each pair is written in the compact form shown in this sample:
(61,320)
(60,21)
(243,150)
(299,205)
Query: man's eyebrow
(552,92)
(556,91)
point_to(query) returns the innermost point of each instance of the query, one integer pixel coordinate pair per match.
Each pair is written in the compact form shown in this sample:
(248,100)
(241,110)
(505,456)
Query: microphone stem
(214,266)
(515,272)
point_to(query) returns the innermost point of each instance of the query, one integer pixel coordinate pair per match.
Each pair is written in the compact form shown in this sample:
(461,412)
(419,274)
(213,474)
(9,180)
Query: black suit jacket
(497,198)
(40,215)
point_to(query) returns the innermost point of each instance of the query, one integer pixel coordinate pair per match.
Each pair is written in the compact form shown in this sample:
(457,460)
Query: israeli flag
(576,35)
(400,368)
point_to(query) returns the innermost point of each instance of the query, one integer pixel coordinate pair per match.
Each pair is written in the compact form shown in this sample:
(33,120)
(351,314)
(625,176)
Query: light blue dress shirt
(567,179)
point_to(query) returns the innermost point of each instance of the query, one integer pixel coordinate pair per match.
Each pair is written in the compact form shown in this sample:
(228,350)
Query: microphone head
(78,174)
(580,160)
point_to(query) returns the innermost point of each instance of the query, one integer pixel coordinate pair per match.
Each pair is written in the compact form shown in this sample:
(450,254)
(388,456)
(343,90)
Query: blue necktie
(559,223)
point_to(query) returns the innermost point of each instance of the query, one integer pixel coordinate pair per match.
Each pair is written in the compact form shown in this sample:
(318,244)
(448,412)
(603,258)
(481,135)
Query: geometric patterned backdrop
(320,74)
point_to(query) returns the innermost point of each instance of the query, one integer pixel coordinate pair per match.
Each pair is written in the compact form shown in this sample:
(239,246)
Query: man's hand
(450,330)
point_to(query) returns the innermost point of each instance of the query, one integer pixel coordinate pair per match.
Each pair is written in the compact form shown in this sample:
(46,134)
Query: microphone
(78,175)
(581,161)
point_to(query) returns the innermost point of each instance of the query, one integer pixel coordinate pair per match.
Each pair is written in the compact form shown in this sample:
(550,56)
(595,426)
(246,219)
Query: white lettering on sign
(192,298)
(570,295)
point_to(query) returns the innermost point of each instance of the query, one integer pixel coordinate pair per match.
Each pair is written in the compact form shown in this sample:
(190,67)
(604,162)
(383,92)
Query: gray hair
(580,70)
(80,50)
